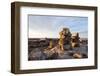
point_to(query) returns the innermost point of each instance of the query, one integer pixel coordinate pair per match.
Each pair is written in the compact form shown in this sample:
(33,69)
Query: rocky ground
(41,53)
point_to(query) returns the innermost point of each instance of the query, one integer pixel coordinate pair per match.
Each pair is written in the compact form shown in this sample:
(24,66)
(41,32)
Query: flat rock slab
(41,54)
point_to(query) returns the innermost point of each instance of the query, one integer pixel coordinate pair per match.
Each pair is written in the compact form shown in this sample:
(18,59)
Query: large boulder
(55,52)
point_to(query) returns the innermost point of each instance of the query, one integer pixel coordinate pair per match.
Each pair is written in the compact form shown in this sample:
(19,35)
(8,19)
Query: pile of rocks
(75,42)
(66,41)
(65,38)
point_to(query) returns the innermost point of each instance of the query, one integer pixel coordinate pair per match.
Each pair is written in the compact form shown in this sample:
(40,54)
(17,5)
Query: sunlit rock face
(65,38)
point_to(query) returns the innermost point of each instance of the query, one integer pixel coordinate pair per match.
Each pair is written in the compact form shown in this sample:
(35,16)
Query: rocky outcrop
(75,42)
(66,47)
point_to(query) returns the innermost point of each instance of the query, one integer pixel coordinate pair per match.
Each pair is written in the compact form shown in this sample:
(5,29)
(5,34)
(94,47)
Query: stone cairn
(65,38)
(67,41)
(75,42)
(64,43)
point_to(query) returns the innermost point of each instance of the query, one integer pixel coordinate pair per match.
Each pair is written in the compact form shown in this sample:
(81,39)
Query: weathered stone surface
(56,53)
(36,54)
(75,42)
(67,46)
(65,38)
(77,55)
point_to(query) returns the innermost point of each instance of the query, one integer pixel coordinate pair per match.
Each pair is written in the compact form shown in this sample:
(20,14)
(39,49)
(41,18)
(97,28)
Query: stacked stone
(75,42)
(67,35)
(65,42)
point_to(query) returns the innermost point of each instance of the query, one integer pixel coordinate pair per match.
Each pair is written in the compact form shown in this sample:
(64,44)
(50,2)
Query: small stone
(77,55)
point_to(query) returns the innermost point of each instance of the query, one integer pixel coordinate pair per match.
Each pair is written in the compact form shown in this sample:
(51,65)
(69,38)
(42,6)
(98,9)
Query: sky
(41,26)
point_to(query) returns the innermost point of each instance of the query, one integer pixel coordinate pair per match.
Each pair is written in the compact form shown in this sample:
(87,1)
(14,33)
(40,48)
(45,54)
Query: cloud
(49,26)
